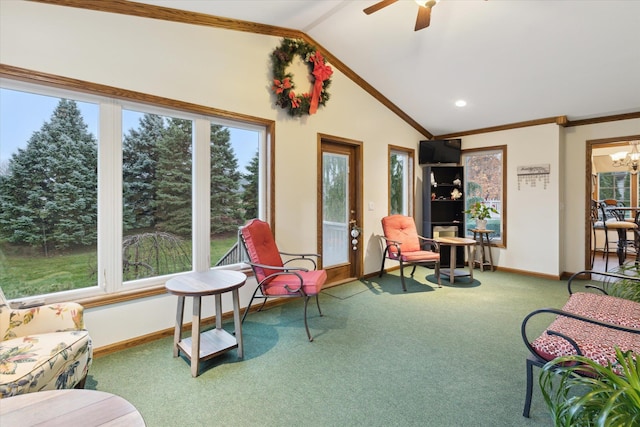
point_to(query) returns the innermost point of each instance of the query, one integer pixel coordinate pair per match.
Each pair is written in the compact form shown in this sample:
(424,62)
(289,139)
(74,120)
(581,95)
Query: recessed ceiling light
(461,103)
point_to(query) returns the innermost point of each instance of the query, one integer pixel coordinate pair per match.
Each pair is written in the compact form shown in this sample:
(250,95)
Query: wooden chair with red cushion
(275,278)
(403,244)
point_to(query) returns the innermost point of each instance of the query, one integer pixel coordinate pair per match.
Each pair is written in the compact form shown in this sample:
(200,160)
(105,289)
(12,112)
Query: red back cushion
(402,229)
(261,247)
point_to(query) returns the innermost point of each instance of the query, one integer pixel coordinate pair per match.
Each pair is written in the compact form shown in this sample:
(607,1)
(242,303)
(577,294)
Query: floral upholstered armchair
(42,348)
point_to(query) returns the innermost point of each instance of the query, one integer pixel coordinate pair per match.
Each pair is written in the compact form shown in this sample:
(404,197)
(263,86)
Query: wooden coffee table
(89,408)
(200,347)
(454,242)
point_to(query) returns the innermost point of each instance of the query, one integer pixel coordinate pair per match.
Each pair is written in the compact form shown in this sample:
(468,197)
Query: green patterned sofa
(43,348)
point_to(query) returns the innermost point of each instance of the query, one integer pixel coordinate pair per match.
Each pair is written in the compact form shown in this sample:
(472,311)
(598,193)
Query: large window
(616,186)
(99,195)
(400,181)
(485,183)
(48,193)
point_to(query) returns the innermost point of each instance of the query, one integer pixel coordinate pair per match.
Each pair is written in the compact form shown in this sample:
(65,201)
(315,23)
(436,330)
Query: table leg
(236,322)
(490,255)
(471,255)
(481,250)
(195,336)
(177,333)
(218,298)
(622,243)
(452,263)
(484,236)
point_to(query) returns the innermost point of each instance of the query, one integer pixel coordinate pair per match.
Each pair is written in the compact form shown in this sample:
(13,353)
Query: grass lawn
(26,273)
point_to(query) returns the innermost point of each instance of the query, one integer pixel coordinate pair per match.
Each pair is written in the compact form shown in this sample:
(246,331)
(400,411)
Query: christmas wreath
(283,86)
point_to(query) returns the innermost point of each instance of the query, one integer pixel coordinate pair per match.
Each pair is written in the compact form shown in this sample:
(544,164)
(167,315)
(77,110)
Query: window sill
(135,294)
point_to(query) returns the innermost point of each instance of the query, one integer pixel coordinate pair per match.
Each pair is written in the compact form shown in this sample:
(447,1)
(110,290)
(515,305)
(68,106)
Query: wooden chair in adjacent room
(622,228)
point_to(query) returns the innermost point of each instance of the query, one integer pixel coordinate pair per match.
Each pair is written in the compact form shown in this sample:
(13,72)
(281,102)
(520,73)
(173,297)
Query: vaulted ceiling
(510,60)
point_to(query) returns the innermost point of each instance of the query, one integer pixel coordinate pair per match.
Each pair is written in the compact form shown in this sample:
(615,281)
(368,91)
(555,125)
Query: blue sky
(22,114)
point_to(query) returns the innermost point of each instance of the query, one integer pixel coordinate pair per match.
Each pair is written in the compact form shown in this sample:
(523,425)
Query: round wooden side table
(200,347)
(454,242)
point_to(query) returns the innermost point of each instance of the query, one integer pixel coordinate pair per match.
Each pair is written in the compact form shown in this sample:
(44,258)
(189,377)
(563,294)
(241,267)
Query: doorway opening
(606,183)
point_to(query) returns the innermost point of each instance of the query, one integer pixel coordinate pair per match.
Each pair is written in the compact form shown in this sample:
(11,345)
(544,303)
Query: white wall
(533,213)
(231,71)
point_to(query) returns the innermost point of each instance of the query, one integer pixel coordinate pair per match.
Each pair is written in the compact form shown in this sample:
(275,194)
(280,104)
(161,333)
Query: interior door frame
(357,148)
(590,143)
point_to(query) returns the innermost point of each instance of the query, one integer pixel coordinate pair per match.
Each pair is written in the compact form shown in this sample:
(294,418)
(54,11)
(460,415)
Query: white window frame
(110,216)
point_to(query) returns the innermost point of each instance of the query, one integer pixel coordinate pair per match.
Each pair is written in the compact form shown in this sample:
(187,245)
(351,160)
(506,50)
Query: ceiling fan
(424,12)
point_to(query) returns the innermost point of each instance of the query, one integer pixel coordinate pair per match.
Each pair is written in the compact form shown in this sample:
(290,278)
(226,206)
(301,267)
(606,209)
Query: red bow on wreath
(279,87)
(321,72)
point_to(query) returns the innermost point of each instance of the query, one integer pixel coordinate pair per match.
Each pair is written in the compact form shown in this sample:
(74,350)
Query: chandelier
(628,159)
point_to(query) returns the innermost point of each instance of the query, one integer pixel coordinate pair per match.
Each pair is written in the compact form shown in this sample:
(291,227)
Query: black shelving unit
(442,213)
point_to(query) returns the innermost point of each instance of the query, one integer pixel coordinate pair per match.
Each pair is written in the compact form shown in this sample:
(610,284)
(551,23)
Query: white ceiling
(511,60)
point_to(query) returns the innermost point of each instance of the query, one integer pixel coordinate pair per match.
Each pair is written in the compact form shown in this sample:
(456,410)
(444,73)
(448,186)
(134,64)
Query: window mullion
(110,197)
(201,199)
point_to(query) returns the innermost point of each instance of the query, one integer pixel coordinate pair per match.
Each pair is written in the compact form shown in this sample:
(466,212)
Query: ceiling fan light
(616,157)
(629,159)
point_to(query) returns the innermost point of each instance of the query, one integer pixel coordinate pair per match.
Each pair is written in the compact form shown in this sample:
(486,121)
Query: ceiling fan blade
(424,17)
(376,7)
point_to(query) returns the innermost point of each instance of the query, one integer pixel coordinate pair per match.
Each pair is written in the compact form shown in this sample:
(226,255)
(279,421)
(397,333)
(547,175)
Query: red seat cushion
(595,342)
(312,283)
(605,308)
(416,256)
(262,249)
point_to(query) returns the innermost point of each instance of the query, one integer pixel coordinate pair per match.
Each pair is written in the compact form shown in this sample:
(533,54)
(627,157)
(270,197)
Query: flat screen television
(440,151)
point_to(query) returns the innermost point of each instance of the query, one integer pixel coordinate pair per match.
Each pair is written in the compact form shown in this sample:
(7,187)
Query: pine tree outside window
(401,188)
(48,193)
(156,192)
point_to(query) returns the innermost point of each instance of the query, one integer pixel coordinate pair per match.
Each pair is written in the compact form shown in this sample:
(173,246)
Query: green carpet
(449,356)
